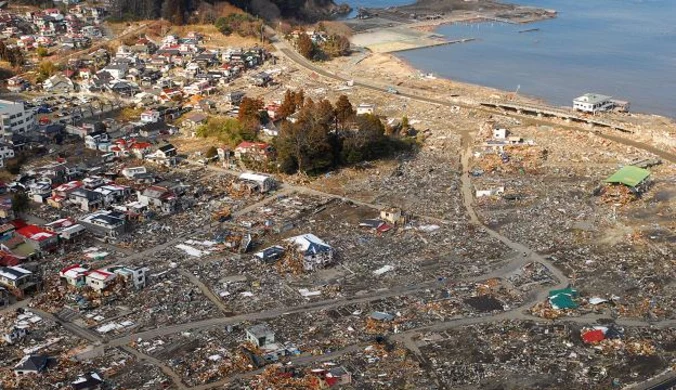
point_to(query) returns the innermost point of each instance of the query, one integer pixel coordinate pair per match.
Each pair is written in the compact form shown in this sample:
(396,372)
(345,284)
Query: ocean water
(623,48)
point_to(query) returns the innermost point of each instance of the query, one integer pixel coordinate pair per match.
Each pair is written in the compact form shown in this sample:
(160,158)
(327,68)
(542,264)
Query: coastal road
(294,56)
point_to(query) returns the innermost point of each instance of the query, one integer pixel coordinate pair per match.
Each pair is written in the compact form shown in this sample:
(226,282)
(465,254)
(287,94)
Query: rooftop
(593,98)
(629,176)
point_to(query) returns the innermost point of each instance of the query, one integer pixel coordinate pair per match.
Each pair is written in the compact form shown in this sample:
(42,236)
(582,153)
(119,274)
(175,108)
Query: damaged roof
(629,176)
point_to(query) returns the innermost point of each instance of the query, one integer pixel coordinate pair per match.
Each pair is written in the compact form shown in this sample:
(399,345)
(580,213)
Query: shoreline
(387,69)
(392,32)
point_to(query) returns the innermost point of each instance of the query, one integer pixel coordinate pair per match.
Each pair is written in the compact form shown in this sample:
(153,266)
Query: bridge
(551,112)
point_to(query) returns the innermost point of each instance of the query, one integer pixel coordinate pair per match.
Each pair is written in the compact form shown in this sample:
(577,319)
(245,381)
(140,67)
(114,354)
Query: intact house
(40,239)
(256,182)
(150,116)
(594,103)
(135,276)
(131,173)
(75,275)
(86,200)
(193,120)
(18,280)
(58,84)
(164,154)
(100,279)
(365,108)
(105,224)
(316,253)
(113,193)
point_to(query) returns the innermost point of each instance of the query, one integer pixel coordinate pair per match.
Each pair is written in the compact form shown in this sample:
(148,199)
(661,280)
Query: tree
(306,47)
(46,69)
(336,46)
(344,111)
(325,114)
(288,106)
(20,202)
(227,130)
(42,52)
(250,113)
(212,152)
(12,55)
(404,123)
(174,11)
(306,145)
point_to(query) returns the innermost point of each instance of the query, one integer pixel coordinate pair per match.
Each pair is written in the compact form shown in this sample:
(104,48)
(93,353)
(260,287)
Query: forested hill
(180,11)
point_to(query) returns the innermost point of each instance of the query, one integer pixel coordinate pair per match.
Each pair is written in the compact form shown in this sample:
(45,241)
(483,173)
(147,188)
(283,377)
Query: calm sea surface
(623,48)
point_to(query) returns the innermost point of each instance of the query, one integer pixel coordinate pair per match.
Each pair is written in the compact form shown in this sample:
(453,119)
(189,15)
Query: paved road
(206,291)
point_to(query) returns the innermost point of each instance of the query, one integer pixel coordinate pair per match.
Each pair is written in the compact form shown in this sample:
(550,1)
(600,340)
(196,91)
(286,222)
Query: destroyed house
(6,231)
(630,176)
(260,335)
(270,254)
(18,247)
(90,381)
(105,224)
(157,197)
(15,334)
(337,376)
(31,364)
(65,189)
(262,79)
(315,252)
(4,297)
(258,151)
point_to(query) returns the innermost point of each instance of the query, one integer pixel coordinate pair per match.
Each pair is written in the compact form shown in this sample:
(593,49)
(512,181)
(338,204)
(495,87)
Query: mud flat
(411,27)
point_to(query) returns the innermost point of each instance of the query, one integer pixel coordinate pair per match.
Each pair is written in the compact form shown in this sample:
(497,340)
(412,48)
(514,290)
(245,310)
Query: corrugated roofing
(629,176)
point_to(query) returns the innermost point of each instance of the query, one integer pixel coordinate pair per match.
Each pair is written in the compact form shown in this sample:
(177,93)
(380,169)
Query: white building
(593,103)
(15,118)
(500,133)
(315,252)
(261,182)
(365,108)
(152,116)
(134,275)
(100,279)
(261,335)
